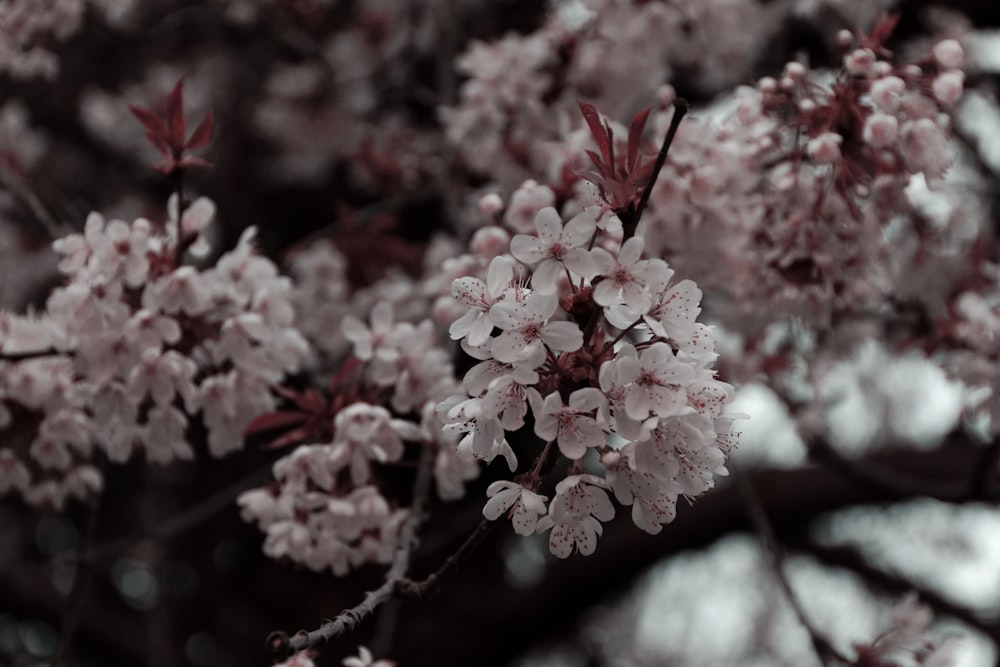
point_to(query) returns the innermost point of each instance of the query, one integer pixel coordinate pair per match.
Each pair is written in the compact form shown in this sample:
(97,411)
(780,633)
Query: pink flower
(479,297)
(527,324)
(573,427)
(366,340)
(366,659)
(657,381)
(580,504)
(556,249)
(527,505)
(624,278)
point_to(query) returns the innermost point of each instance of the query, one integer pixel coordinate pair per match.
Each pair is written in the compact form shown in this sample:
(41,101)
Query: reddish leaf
(597,130)
(611,147)
(156,131)
(202,134)
(635,136)
(175,116)
(295,435)
(344,373)
(273,420)
(884,26)
(601,168)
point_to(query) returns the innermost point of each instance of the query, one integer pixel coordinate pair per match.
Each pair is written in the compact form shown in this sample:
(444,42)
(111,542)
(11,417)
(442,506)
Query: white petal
(630,251)
(500,503)
(562,336)
(546,276)
(580,262)
(528,249)
(499,276)
(579,230)
(470,292)
(549,225)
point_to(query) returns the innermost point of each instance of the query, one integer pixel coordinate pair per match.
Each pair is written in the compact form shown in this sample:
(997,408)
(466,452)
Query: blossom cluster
(326,508)
(906,641)
(809,187)
(602,347)
(25,25)
(135,344)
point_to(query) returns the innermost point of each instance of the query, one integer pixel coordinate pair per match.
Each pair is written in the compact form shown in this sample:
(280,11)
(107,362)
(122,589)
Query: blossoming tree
(430,288)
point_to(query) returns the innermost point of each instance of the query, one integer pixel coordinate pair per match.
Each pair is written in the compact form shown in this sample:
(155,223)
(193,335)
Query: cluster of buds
(878,123)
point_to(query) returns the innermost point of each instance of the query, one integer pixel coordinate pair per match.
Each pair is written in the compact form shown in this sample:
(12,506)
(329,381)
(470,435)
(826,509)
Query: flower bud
(825,149)
(947,87)
(949,54)
(860,62)
(881,130)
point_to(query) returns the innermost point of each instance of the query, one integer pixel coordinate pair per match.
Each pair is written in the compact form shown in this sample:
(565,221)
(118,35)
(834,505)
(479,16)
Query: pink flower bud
(488,242)
(881,130)
(887,92)
(795,71)
(860,62)
(949,54)
(825,149)
(947,87)
(666,95)
(490,204)
(845,38)
(767,85)
(611,459)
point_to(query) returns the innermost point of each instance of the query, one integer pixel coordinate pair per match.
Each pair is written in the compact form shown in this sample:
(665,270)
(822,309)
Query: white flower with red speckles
(525,505)
(574,426)
(556,249)
(526,323)
(575,514)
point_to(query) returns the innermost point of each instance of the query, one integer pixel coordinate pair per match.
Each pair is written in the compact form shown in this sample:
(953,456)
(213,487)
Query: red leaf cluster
(620,181)
(167,134)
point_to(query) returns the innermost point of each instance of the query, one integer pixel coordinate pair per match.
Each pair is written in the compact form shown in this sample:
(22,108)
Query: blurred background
(341,119)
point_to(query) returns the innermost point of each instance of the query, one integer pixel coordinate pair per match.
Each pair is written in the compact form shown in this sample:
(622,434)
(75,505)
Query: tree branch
(346,621)
(681,108)
(769,542)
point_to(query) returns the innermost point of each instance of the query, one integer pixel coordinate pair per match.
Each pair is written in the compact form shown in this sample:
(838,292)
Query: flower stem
(631,221)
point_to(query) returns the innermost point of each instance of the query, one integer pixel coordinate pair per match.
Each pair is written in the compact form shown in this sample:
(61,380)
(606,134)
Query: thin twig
(681,108)
(430,585)
(348,620)
(765,532)
(16,357)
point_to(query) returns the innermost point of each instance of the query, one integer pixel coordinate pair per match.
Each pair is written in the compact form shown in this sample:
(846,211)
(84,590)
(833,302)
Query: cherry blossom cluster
(25,25)
(906,641)
(817,183)
(518,103)
(602,347)
(974,325)
(326,508)
(133,346)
